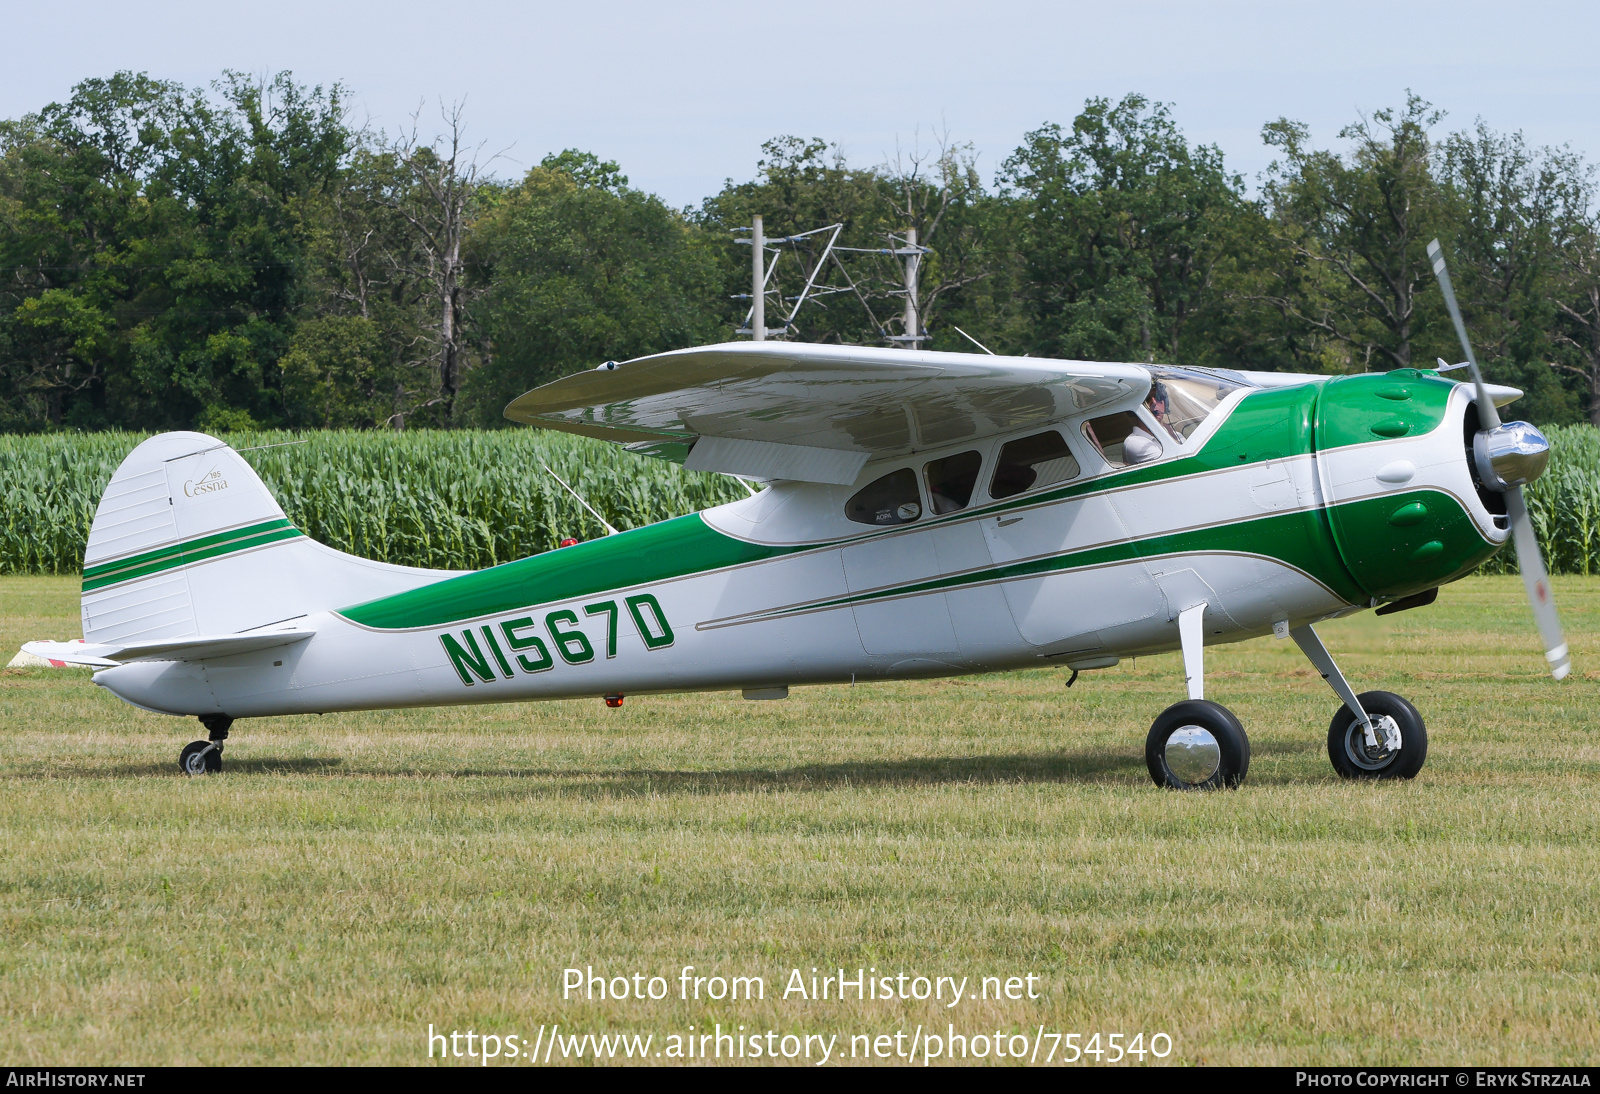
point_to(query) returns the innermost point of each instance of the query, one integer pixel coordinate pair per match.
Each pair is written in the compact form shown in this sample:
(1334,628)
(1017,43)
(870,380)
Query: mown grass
(352,878)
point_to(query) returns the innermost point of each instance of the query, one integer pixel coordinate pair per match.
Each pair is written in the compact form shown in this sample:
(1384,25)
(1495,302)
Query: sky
(683,95)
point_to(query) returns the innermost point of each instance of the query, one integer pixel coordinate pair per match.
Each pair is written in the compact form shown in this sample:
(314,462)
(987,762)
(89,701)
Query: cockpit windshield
(1180,400)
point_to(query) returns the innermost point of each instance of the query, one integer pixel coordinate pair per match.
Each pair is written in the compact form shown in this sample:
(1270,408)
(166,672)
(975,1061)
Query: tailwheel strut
(205,757)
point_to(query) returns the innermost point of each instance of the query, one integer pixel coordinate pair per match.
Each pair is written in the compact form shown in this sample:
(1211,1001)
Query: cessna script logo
(211,482)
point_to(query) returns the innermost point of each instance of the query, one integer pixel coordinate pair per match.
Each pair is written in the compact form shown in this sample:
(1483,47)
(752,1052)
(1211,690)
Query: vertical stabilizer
(189,541)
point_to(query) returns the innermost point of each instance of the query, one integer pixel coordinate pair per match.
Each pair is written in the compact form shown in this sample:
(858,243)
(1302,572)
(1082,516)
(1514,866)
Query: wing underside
(815,413)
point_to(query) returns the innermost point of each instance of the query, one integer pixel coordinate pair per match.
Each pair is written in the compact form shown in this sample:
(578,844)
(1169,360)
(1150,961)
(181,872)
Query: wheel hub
(1372,757)
(200,757)
(1192,754)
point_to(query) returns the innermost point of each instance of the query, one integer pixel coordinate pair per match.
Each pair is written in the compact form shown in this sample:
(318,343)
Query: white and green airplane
(924,514)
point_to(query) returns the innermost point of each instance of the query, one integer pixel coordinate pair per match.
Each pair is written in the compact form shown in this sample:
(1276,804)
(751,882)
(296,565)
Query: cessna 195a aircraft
(925,514)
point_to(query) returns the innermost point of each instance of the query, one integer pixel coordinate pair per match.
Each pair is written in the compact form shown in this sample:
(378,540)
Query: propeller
(1497,449)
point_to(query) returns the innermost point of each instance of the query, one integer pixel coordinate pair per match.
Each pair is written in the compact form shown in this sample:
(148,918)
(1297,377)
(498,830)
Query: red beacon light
(614,701)
(569,542)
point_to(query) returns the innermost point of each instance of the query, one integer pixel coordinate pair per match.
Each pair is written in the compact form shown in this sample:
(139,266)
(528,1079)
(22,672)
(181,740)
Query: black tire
(1232,747)
(1347,741)
(200,758)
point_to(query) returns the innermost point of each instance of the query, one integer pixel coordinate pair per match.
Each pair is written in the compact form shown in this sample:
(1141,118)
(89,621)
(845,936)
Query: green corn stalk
(1564,505)
(465,500)
(456,500)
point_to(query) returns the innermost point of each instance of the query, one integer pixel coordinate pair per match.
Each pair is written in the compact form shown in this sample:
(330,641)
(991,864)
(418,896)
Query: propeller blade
(1535,579)
(1537,582)
(1487,414)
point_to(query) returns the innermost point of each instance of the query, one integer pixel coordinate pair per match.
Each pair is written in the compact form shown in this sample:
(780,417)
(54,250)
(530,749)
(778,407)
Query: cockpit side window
(1122,439)
(1029,463)
(892,499)
(951,481)
(1181,401)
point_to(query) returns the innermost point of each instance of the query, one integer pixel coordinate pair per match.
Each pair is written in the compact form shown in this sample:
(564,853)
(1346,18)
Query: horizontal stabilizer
(197,648)
(70,653)
(26,660)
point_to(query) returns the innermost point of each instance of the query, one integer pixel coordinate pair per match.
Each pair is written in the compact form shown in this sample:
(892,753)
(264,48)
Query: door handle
(1002,522)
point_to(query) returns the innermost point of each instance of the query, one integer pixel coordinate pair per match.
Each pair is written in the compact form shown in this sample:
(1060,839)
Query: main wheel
(1353,758)
(1197,745)
(200,758)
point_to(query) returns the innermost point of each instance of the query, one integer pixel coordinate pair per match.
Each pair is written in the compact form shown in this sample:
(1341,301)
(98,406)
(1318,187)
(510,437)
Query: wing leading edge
(783,410)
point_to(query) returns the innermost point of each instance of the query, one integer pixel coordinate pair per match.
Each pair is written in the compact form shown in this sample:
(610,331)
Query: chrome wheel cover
(1192,754)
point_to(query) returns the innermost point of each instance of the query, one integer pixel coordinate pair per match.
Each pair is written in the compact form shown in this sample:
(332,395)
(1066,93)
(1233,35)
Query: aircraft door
(891,622)
(1082,609)
(896,618)
(1089,606)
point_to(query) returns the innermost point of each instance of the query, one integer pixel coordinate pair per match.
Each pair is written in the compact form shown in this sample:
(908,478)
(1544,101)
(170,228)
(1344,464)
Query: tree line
(242,256)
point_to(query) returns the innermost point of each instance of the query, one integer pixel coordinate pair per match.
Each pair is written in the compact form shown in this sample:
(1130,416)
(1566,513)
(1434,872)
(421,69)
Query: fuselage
(1285,505)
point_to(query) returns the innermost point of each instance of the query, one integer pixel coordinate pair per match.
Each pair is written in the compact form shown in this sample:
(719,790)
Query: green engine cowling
(1401,542)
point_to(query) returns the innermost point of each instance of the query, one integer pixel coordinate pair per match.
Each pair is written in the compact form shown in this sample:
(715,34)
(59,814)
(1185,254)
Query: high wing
(785,410)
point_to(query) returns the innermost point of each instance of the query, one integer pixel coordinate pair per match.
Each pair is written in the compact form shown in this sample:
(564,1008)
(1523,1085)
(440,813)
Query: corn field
(447,500)
(465,500)
(1564,505)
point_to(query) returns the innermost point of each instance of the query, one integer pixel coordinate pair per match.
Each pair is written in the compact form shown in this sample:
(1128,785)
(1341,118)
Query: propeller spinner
(1505,456)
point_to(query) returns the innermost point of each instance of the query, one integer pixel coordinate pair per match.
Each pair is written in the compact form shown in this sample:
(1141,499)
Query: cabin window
(1122,439)
(1032,462)
(951,481)
(892,499)
(1180,401)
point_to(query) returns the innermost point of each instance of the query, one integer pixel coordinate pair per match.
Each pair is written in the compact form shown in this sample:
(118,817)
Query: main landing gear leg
(1196,744)
(1374,735)
(205,757)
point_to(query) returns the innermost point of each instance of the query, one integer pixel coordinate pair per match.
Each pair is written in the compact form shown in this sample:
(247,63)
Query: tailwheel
(1402,739)
(1197,745)
(200,758)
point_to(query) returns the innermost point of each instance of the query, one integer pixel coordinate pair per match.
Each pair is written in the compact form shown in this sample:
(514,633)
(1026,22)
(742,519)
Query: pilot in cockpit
(1140,446)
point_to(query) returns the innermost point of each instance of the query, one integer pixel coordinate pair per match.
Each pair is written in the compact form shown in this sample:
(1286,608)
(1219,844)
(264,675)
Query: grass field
(351,879)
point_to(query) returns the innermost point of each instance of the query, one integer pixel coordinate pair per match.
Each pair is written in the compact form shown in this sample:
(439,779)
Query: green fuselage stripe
(1281,537)
(1289,538)
(1297,539)
(190,551)
(657,552)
